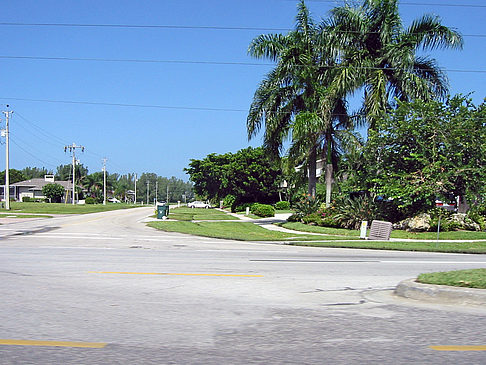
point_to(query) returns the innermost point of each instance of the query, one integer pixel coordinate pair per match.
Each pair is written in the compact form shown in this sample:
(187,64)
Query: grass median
(242,231)
(198,214)
(61,208)
(475,278)
(452,235)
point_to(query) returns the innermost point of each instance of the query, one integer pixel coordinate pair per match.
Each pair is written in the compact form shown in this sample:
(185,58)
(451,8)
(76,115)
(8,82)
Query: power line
(187,27)
(135,60)
(416,4)
(32,155)
(199,63)
(127,105)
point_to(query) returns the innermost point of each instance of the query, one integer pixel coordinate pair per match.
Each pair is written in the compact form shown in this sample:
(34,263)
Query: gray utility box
(380,230)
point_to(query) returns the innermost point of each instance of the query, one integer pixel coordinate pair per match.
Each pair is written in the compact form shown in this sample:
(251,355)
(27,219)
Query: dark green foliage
(53,192)
(229,202)
(248,174)
(420,152)
(26,199)
(282,205)
(349,212)
(263,210)
(242,207)
(307,205)
(35,172)
(90,200)
(14,176)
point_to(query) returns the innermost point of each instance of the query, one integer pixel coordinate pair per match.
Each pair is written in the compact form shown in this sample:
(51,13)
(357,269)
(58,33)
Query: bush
(296,217)
(27,199)
(313,219)
(90,200)
(283,205)
(263,210)
(242,207)
(307,205)
(229,202)
(349,212)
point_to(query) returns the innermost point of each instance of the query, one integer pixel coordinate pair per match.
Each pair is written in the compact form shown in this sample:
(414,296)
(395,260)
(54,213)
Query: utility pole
(167,192)
(148,185)
(72,150)
(135,200)
(156,190)
(104,180)
(6,190)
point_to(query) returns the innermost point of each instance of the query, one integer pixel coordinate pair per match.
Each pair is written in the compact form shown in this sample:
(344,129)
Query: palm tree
(376,52)
(295,86)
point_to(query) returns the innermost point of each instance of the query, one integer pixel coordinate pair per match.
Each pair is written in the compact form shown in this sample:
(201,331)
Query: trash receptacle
(162,211)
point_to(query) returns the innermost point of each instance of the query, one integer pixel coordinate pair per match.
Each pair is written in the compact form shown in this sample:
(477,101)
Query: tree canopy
(428,150)
(249,174)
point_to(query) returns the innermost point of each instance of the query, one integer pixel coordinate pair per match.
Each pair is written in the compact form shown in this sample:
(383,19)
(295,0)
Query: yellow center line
(95,345)
(458,348)
(173,273)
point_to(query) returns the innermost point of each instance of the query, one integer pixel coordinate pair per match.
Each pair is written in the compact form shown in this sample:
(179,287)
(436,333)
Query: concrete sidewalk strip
(441,293)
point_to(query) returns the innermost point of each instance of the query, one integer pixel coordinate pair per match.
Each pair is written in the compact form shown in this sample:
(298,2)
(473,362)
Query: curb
(440,293)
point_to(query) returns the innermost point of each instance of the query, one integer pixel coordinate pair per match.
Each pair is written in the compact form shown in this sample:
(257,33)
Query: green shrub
(242,207)
(350,212)
(283,205)
(296,217)
(26,199)
(307,205)
(477,218)
(263,210)
(90,200)
(312,219)
(229,202)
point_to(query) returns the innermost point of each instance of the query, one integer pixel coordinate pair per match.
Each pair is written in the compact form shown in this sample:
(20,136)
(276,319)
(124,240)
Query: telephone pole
(104,180)
(156,190)
(72,150)
(6,190)
(135,200)
(148,185)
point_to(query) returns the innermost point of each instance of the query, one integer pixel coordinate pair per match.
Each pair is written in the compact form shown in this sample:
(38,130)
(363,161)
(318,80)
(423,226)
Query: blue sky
(179,110)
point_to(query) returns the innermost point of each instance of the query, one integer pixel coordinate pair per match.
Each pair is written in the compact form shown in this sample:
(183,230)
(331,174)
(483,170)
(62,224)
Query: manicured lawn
(452,235)
(475,278)
(60,208)
(296,226)
(242,231)
(198,214)
(450,247)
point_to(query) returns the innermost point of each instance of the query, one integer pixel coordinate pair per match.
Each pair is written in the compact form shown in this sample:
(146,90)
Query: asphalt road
(133,295)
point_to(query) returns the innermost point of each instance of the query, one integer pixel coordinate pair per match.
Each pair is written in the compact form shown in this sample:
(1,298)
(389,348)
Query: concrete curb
(441,293)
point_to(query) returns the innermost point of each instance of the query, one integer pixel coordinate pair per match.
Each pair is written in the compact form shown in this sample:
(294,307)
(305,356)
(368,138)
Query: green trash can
(162,211)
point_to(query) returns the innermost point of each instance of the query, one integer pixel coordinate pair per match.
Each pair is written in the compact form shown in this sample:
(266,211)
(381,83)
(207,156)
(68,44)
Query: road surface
(105,289)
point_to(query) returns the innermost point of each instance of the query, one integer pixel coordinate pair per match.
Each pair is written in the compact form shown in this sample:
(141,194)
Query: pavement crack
(14,273)
(362,301)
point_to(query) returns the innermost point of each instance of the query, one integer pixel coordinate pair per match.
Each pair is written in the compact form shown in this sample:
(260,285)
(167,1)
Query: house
(33,188)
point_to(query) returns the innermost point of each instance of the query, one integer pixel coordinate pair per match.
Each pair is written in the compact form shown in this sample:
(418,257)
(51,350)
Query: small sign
(364,227)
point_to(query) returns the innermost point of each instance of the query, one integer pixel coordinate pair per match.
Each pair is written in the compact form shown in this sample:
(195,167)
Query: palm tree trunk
(328,171)
(328,184)
(312,172)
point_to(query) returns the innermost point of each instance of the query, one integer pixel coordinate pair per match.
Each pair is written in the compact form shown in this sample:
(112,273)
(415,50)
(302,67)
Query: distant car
(199,204)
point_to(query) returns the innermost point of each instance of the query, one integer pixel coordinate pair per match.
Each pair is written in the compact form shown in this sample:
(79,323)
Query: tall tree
(294,86)
(376,52)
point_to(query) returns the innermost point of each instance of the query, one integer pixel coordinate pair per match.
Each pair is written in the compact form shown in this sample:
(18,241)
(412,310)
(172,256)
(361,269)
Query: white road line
(431,262)
(75,237)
